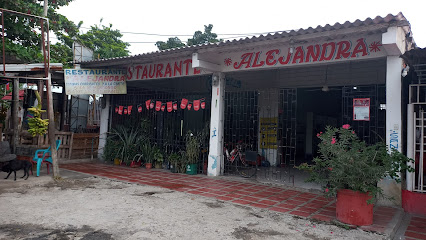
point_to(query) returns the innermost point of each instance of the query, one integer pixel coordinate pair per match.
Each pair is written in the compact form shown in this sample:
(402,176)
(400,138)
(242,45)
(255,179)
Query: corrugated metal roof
(398,20)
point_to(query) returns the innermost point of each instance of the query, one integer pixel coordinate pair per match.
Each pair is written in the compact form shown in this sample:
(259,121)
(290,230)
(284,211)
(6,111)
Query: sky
(139,19)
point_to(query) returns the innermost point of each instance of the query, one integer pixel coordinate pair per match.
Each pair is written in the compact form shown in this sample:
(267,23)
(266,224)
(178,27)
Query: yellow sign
(268,133)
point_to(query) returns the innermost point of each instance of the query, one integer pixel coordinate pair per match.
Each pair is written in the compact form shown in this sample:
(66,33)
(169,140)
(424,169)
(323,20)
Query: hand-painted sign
(304,54)
(95,81)
(178,68)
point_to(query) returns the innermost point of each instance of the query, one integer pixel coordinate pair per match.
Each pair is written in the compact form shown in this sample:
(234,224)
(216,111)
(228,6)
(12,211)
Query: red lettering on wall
(245,59)
(145,73)
(138,67)
(326,50)
(360,47)
(177,68)
(313,54)
(299,55)
(256,62)
(159,70)
(270,57)
(186,63)
(281,59)
(197,71)
(151,73)
(129,73)
(168,70)
(343,48)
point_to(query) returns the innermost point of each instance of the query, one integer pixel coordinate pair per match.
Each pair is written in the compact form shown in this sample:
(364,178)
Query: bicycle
(244,164)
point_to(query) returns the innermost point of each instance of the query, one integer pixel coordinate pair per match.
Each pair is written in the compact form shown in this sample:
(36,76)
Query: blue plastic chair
(44,156)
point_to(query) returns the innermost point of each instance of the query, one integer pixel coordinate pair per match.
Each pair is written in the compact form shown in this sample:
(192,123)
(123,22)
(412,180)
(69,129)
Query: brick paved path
(273,198)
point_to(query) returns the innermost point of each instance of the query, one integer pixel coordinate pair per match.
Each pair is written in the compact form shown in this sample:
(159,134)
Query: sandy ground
(86,207)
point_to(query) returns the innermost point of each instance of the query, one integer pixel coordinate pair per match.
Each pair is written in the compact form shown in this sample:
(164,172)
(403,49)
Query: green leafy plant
(346,162)
(129,141)
(147,152)
(158,156)
(37,125)
(111,149)
(193,146)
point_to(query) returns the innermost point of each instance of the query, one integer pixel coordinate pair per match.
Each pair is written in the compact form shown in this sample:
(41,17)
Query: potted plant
(148,154)
(158,157)
(192,152)
(174,159)
(349,168)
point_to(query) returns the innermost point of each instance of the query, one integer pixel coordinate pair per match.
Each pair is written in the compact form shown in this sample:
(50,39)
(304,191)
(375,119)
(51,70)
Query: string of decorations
(162,106)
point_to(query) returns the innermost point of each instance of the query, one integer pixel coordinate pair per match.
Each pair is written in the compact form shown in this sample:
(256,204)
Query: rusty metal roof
(389,20)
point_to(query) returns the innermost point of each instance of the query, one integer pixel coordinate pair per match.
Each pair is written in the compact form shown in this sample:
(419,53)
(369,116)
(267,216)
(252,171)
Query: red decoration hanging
(203,105)
(189,106)
(157,106)
(163,107)
(139,108)
(169,106)
(120,110)
(175,106)
(196,105)
(125,111)
(116,109)
(147,103)
(183,103)
(129,109)
(151,105)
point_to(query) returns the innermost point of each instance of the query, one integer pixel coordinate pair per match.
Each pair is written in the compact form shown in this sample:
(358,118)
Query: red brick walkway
(416,228)
(279,199)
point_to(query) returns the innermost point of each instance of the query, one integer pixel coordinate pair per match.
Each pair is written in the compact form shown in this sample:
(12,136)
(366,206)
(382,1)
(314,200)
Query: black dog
(15,165)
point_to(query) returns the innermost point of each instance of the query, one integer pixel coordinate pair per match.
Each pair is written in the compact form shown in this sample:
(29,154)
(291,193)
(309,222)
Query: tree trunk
(52,129)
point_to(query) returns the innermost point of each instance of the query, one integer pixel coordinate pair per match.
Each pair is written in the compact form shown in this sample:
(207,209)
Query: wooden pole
(64,108)
(15,112)
(52,129)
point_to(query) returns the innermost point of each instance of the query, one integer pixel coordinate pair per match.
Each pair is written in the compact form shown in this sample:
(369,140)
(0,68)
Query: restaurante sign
(95,81)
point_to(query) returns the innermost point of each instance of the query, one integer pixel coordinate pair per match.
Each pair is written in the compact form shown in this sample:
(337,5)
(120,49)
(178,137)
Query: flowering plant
(346,162)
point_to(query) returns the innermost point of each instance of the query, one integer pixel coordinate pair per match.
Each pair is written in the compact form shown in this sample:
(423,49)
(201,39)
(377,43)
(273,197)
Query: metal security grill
(165,129)
(371,131)
(241,123)
(287,129)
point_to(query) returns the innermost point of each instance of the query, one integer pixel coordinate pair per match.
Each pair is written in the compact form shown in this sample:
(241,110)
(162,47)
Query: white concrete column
(411,141)
(216,125)
(393,102)
(103,128)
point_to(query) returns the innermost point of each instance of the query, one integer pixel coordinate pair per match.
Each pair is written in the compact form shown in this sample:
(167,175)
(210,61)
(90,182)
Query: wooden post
(64,108)
(15,112)
(52,129)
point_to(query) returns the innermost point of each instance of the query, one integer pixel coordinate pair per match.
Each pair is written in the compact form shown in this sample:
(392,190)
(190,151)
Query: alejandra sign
(95,81)
(332,51)
(273,57)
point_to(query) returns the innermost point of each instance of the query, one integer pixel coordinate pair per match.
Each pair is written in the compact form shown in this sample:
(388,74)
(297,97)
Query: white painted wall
(215,162)
(103,126)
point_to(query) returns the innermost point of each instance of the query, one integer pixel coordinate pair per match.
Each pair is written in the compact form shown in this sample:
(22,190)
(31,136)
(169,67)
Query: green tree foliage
(198,38)
(105,42)
(203,37)
(23,35)
(173,42)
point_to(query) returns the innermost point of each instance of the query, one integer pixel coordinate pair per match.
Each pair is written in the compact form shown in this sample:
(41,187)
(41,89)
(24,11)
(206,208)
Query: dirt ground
(85,207)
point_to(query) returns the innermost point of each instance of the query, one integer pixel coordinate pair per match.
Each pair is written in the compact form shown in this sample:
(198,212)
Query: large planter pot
(352,208)
(148,165)
(191,169)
